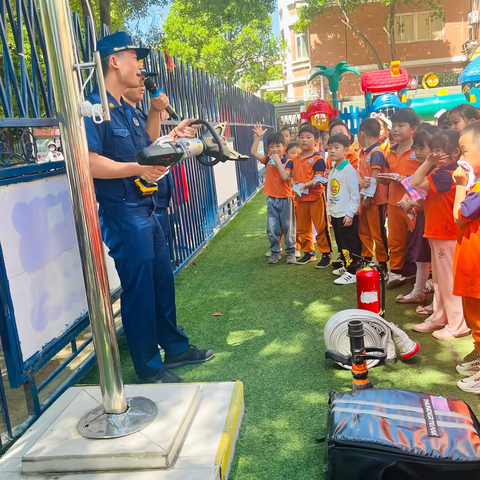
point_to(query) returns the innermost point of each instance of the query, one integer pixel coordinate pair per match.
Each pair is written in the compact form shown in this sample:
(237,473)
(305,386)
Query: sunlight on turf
(291,347)
(315,398)
(317,311)
(240,336)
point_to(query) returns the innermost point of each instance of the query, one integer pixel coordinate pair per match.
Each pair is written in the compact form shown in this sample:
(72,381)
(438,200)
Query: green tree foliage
(346,10)
(117,14)
(274,97)
(229,39)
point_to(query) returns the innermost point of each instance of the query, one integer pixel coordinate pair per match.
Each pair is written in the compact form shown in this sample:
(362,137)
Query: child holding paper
(447,320)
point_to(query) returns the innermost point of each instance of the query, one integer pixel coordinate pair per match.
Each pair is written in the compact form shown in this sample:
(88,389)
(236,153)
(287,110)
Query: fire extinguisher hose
(378,333)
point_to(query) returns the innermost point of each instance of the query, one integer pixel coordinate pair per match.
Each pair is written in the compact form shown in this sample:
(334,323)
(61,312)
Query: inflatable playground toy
(386,91)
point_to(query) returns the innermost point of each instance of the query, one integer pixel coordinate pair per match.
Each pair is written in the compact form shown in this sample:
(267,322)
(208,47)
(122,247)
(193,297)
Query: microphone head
(150,85)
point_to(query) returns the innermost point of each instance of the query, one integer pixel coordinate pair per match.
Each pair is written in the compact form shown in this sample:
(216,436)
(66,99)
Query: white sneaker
(346,279)
(469,368)
(298,254)
(339,271)
(269,253)
(470,384)
(395,280)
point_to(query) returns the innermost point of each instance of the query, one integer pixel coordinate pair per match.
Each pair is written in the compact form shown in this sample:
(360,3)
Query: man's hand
(185,129)
(366,202)
(151,173)
(460,177)
(258,130)
(160,103)
(347,221)
(164,115)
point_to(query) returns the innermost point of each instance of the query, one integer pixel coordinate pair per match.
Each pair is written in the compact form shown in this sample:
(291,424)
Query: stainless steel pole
(57,25)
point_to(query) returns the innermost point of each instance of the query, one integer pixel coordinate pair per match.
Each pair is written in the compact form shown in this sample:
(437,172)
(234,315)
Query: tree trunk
(391,31)
(85,8)
(367,42)
(105,12)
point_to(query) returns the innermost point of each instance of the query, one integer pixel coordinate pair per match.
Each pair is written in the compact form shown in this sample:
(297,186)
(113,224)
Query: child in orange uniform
(466,263)
(310,198)
(280,209)
(420,250)
(447,320)
(372,214)
(401,163)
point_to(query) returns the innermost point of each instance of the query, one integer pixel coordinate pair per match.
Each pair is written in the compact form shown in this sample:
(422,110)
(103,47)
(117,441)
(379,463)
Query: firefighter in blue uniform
(133,96)
(129,225)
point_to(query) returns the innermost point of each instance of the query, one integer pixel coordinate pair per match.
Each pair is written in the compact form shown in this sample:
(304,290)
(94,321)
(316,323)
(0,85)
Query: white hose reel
(378,333)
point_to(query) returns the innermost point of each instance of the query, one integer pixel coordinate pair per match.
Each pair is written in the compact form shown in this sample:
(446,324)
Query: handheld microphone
(155,92)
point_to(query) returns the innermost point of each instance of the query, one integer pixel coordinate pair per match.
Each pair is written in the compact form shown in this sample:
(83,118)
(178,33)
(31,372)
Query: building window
(300,46)
(417,27)
(306,94)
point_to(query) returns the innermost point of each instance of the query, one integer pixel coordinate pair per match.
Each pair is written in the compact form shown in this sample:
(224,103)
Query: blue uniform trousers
(138,246)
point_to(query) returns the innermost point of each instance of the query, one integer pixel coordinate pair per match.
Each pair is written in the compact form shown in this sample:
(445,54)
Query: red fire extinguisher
(370,295)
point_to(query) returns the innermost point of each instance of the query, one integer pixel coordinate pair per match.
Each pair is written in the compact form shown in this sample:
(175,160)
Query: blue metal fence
(26,101)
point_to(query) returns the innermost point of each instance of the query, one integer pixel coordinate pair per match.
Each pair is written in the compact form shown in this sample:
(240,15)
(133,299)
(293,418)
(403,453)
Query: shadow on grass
(270,336)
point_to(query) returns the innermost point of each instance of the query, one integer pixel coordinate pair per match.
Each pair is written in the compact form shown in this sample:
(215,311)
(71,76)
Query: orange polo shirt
(405,165)
(274,185)
(439,221)
(304,169)
(373,158)
(466,259)
(351,156)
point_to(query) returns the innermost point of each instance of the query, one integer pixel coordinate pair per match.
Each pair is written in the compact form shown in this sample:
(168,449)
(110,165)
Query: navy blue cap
(119,42)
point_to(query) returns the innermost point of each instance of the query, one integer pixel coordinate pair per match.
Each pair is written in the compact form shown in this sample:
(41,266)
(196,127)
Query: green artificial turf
(270,336)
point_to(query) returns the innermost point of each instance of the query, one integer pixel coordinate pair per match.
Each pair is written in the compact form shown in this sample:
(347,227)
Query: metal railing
(26,101)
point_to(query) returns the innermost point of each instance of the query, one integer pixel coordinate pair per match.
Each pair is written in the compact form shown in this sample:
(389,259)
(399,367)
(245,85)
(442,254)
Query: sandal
(422,310)
(410,298)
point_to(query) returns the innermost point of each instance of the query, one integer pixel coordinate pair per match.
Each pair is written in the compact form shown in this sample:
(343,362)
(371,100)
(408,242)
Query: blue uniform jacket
(120,140)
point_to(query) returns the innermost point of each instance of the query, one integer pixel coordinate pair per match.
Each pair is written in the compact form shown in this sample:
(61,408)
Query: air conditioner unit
(473,19)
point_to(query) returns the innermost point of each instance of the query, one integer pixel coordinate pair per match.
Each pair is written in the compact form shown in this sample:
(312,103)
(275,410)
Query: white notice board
(42,260)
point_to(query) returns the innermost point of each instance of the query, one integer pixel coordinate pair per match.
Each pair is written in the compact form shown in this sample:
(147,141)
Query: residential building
(423,43)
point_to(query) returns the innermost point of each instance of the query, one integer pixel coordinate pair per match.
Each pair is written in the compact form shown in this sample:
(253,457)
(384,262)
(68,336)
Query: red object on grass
(383,81)
(368,290)
(412,353)
(217,314)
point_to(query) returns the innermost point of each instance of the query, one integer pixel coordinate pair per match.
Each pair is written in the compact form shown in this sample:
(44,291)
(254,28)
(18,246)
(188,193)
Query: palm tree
(334,75)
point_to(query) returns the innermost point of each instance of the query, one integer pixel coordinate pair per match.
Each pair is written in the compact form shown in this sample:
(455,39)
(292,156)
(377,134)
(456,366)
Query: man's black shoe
(163,376)
(191,357)
(325,261)
(338,263)
(308,257)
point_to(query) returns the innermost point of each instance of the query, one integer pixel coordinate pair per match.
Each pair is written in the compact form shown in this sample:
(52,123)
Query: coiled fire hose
(378,333)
